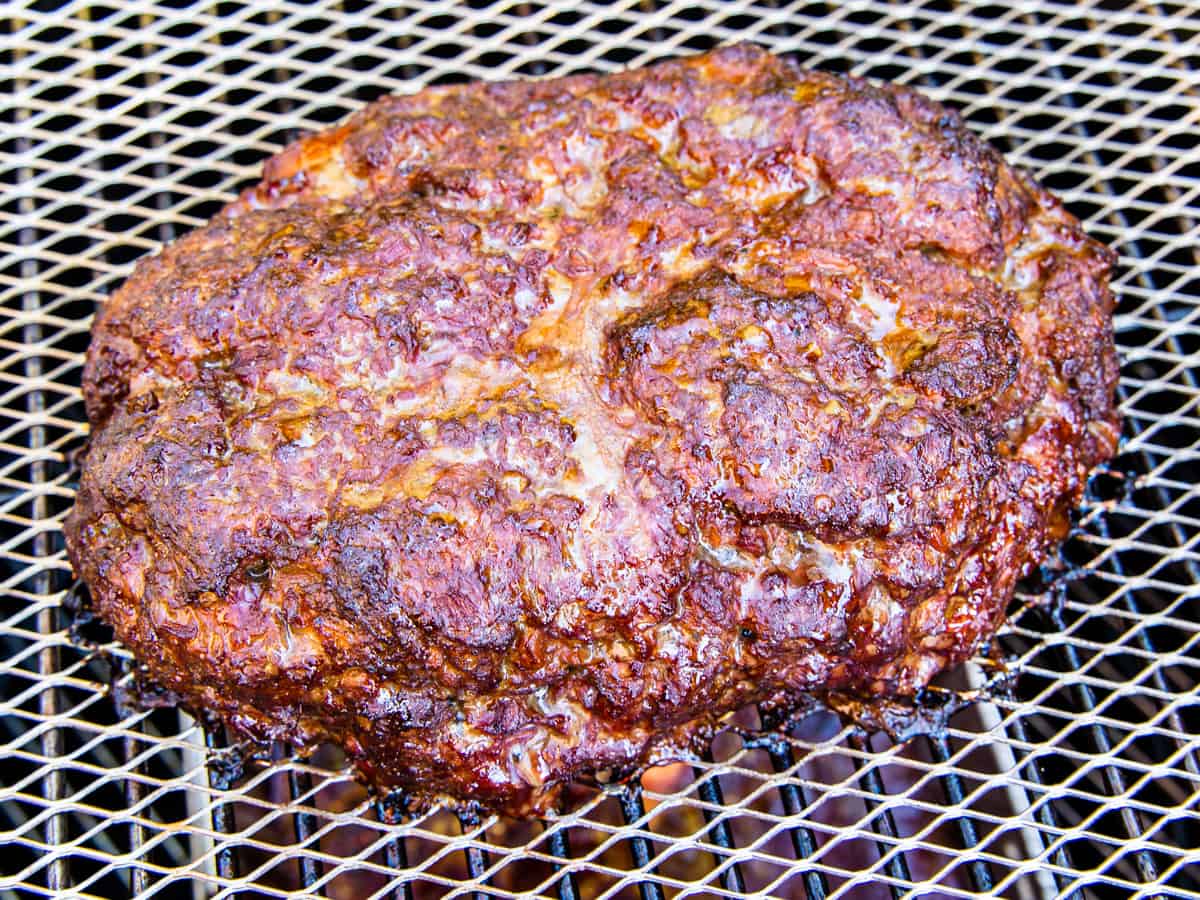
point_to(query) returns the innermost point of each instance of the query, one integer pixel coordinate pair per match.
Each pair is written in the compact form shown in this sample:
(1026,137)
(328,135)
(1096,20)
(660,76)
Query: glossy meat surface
(509,432)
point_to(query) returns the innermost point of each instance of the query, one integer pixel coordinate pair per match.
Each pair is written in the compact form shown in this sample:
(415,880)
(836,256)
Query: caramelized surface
(512,431)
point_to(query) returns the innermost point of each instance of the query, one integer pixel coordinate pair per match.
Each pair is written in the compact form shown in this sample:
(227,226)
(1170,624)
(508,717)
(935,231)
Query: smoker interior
(1075,771)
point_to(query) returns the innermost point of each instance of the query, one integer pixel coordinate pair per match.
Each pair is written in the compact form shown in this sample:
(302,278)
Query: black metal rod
(1147,871)
(477,859)
(140,879)
(803,841)
(978,870)
(305,824)
(1189,375)
(1114,781)
(719,833)
(1177,533)
(883,824)
(395,853)
(222,813)
(632,809)
(560,846)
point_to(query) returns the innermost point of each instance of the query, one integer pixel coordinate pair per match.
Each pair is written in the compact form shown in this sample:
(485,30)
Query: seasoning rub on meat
(509,432)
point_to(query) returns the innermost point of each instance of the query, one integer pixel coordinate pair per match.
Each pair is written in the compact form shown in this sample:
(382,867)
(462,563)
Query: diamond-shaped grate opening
(125,123)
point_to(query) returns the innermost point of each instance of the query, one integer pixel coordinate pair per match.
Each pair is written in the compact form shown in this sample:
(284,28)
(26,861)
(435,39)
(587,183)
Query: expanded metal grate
(126,123)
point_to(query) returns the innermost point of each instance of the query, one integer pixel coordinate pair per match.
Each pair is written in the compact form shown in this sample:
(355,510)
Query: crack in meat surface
(508,432)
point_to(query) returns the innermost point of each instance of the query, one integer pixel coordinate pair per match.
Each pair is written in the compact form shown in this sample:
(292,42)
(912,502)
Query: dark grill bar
(123,125)
(477,860)
(719,833)
(395,852)
(632,812)
(222,814)
(980,874)
(304,824)
(882,823)
(803,842)
(559,845)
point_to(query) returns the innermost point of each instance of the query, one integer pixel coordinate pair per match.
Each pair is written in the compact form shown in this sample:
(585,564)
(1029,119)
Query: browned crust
(511,431)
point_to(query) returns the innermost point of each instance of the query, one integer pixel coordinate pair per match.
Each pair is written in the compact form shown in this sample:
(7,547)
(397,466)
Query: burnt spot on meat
(786,413)
(510,432)
(971,366)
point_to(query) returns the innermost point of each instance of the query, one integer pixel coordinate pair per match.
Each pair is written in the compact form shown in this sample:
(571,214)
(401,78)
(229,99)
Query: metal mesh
(125,123)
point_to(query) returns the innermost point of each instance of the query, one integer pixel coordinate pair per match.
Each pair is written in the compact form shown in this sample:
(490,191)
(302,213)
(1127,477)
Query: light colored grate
(125,123)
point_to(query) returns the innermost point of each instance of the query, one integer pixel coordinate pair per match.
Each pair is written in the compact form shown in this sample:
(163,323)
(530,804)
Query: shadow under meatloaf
(508,432)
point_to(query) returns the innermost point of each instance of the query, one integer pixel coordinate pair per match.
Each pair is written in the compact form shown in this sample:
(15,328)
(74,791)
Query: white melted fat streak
(575,326)
(880,322)
(809,558)
(575,322)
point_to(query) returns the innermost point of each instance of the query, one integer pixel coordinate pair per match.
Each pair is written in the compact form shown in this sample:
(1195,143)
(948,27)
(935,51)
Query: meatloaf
(508,432)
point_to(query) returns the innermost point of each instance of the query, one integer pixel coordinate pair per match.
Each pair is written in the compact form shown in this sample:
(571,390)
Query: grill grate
(128,122)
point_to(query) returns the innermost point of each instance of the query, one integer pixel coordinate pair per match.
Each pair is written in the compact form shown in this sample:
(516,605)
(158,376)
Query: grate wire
(978,871)
(882,823)
(126,124)
(803,842)
(719,833)
(633,811)
(1131,819)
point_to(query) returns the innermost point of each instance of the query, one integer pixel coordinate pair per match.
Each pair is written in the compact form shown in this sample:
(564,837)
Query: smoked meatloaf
(510,432)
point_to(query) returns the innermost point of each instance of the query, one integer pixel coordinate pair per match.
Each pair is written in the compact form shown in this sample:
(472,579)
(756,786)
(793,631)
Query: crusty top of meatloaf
(506,432)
